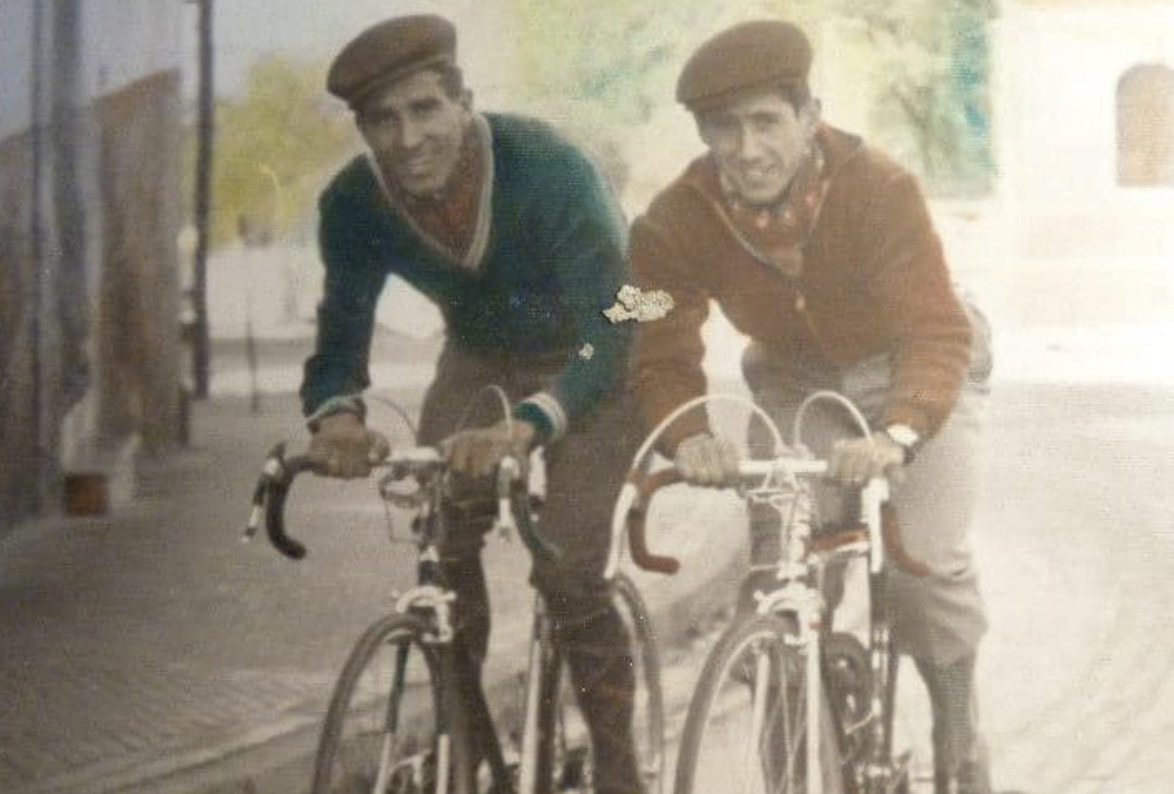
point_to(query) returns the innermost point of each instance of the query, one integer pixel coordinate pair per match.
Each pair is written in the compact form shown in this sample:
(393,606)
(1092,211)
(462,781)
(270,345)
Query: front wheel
(386,729)
(746,731)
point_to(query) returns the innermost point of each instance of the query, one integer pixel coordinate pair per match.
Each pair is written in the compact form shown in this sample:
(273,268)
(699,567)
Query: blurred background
(159,167)
(160,160)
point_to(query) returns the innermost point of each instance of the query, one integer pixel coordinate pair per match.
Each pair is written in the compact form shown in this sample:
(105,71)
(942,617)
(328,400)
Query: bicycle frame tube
(814,685)
(758,723)
(878,770)
(391,717)
(391,721)
(529,767)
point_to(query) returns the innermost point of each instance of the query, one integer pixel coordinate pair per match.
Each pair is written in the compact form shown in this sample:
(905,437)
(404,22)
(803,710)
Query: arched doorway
(1145,126)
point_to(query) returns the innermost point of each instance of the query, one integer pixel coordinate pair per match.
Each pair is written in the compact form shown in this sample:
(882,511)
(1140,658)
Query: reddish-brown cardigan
(873,280)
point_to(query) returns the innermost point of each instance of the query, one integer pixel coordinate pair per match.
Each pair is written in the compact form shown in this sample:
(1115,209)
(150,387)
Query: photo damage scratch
(633,303)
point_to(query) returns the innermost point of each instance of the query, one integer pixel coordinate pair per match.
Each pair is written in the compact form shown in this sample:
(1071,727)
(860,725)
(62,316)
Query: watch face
(903,435)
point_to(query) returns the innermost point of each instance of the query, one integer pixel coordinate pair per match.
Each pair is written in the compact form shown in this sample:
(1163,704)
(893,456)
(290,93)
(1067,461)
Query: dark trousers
(584,472)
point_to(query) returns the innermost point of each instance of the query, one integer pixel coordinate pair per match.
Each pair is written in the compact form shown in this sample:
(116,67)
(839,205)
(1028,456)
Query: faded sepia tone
(144,649)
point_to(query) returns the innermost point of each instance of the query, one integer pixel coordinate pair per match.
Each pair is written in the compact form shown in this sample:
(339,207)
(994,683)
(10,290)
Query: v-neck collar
(473,258)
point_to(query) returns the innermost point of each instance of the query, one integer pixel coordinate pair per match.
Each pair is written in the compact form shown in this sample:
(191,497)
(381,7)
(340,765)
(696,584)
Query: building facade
(1085,115)
(90,208)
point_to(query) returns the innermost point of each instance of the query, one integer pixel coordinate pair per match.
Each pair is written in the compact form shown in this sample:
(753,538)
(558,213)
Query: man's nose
(749,144)
(411,133)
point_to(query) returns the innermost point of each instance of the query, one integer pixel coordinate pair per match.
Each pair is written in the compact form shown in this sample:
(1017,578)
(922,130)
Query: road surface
(1076,542)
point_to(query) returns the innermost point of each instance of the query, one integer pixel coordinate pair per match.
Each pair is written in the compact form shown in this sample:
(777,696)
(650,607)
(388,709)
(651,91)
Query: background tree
(275,146)
(922,67)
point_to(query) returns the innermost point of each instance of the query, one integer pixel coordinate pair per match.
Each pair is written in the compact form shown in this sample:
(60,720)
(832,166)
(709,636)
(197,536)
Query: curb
(278,757)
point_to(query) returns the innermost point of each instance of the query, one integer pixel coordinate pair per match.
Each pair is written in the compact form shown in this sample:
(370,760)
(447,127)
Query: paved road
(1078,544)
(1076,540)
(118,636)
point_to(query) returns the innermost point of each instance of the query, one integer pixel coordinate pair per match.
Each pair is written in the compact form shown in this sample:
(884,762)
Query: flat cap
(748,55)
(388,51)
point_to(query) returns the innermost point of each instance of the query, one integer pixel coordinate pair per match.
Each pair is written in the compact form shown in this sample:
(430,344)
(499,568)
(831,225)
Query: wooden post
(201,356)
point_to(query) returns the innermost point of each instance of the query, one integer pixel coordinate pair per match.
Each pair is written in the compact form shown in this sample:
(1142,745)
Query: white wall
(1057,72)
(16,62)
(127,40)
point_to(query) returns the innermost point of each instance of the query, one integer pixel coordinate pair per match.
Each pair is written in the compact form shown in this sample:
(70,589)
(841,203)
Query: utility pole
(205,126)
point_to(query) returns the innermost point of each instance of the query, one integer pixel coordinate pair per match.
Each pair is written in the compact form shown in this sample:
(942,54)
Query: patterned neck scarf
(777,234)
(450,216)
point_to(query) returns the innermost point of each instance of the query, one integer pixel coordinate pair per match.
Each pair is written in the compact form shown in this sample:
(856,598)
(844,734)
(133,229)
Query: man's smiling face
(415,128)
(759,140)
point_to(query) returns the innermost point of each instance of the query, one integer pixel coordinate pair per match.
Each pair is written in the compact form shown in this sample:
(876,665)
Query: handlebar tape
(637,540)
(278,483)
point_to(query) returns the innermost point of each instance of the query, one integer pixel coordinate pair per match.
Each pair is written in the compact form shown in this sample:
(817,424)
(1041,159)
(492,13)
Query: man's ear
(699,123)
(466,99)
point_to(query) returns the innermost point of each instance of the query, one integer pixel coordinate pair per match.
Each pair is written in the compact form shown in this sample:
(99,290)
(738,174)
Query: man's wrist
(905,437)
(534,416)
(342,404)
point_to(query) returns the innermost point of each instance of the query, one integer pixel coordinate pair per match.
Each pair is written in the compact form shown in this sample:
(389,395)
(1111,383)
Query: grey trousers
(939,618)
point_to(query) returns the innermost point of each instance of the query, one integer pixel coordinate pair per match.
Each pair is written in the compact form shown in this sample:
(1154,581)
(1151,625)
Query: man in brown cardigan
(822,251)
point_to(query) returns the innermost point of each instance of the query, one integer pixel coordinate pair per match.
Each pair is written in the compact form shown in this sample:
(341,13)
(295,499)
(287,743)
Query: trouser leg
(960,758)
(458,380)
(584,474)
(599,658)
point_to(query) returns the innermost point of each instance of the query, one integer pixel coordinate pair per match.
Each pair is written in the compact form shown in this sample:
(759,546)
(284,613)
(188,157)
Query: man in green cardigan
(513,234)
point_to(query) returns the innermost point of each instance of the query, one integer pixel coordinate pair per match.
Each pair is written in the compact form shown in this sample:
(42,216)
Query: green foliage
(929,67)
(608,54)
(273,148)
(922,65)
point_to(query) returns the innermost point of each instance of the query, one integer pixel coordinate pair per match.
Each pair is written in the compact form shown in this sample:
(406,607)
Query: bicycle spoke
(380,736)
(747,730)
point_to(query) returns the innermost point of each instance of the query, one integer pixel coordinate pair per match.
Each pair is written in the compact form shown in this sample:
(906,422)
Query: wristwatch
(906,438)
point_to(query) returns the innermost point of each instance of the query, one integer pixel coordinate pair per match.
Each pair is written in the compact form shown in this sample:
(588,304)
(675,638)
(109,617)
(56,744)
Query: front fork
(538,733)
(882,773)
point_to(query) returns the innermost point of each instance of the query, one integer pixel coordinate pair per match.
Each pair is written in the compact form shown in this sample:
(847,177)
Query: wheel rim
(369,756)
(752,737)
(648,707)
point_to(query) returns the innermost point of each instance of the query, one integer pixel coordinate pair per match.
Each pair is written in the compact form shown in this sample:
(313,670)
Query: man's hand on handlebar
(476,453)
(704,459)
(855,461)
(345,448)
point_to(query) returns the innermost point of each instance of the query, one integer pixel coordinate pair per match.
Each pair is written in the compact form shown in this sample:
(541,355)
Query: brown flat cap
(388,51)
(748,55)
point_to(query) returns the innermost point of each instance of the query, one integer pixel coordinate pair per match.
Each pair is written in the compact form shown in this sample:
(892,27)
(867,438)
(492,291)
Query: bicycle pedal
(901,781)
(573,775)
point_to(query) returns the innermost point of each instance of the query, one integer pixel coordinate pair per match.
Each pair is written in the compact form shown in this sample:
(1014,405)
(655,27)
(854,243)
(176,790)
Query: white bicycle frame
(802,600)
(537,666)
(793,597)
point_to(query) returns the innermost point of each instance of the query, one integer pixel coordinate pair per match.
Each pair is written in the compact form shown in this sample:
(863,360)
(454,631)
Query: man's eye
(425,109)
(379,119)
(765,123)
(723,126)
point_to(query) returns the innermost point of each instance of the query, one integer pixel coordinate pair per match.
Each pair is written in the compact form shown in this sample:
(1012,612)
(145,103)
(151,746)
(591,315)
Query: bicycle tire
(649,720)
(569,757)
(366,734)
(718,750)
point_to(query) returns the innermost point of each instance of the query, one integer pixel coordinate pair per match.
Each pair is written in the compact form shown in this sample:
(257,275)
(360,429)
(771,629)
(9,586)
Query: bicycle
(780,687)
(394,721)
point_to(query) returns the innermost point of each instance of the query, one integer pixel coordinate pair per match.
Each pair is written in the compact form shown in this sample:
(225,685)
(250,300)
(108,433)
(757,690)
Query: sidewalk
(150,651)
